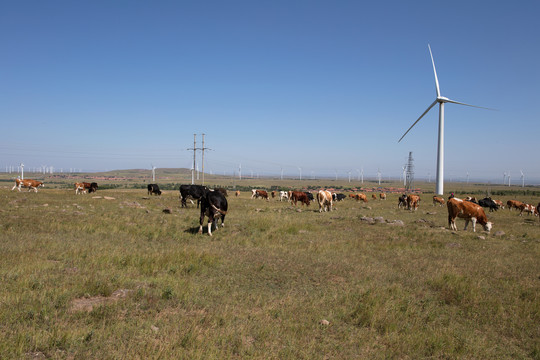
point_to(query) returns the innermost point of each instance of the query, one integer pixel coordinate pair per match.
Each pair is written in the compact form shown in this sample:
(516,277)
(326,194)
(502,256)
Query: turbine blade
(435,72)
(460,103)
(421,116)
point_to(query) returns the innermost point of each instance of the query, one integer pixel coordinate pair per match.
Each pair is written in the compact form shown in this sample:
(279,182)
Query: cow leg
(201,220)
(466,224)
(473,224)
(210,223)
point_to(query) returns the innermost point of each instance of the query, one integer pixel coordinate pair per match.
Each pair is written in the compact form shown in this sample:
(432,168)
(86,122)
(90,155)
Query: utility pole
(203,148)
(194,148)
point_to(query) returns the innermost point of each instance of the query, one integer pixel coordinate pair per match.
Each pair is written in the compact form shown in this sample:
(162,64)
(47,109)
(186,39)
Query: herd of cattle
(213,203)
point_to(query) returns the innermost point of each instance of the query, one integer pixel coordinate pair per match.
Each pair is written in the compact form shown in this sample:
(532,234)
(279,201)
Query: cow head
(488,226)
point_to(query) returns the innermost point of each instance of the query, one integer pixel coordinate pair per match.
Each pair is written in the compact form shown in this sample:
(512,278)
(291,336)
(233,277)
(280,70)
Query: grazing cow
(530,209)
(214,205)
(499,203)
(412,202)
(382,196)
(374,197)
(309,195)
(80,188)
(324,198)
(362,197)
(273,194)
(195,192)
(402,201)
(468,211)
(237,193)
(299,196)
(259,193)
(513,204)
(338,197)
(153,189)
(538,210)
(263,194)
(487,202)
(471,199)
(438,200)
(27,183)
(352,196)
(283,195)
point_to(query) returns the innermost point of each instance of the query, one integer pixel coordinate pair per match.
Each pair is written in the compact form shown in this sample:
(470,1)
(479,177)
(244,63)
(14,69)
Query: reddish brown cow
(273,194)
(412,202)
(513,204)
(362,197)
(468,211)
(382,196)
(374,197)
(499,203)
(262,194)
(299,196)
(237,193)
(438,200)
(27,183)
(528,208)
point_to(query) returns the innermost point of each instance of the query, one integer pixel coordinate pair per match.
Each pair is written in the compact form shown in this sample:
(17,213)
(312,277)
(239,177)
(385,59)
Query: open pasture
(86,277)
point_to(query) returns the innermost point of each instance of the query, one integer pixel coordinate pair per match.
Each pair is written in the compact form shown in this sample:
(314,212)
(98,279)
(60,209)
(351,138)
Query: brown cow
(513,204)
(259,193)
(528,208)
(382,196)
(299,196)
(499,203)
(413,202)
(27,183)
(273,194)
(237,193)
(374,197)
(324,198)
(362,197)
(438,200)
(468,211)
(80,188)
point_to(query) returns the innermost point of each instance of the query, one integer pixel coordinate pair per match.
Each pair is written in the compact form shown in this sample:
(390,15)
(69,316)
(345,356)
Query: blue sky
(323,86)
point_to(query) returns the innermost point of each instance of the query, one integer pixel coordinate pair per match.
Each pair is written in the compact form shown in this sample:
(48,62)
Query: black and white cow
(338,197)
(487,202)
(214,205)
(402,201)
(153,189)
(195,192)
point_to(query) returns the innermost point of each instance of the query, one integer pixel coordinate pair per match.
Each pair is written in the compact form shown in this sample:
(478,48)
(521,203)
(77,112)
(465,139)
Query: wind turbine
(22,171)
(440,147)
(504,178)
(153,173)
(522,178)
(379,175)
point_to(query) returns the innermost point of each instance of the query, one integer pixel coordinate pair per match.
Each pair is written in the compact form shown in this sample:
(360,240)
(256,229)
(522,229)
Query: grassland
(97,278)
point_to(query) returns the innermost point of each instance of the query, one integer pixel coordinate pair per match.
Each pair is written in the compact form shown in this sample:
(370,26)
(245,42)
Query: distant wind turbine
(522,178)
(440,147)
(22,171)
(153,173)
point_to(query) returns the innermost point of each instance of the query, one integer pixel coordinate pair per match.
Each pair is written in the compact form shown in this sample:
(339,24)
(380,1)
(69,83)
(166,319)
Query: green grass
(262,285)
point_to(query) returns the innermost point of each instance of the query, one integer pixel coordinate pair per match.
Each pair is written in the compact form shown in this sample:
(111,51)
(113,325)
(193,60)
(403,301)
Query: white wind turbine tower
(22,171)
(379,175)
(440,147)
(522,178)
(153,173)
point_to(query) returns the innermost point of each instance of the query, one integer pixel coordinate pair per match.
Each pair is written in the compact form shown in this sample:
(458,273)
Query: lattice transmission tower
(409,185)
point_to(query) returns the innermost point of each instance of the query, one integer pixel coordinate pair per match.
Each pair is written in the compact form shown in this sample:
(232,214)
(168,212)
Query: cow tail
(219,210)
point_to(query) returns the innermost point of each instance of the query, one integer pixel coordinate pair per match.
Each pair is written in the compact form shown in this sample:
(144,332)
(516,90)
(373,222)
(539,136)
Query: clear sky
(326,86)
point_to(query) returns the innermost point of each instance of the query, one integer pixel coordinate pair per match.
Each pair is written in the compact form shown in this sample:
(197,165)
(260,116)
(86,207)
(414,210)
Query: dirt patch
(88,304)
